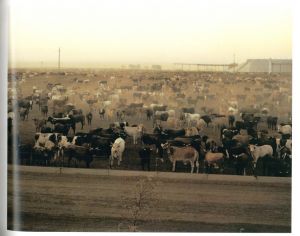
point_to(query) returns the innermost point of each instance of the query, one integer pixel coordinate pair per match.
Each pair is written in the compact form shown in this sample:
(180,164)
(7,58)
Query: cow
(24,113)
(149,114)
(171,133)
(63,120)
(44,110)
(214,158)
(62,128)
(46,146)
(231,119)
(184,154)
(241,161)
(89,118)
(24,103)
(102,113)
(258,152)
(161,116)
(79,153)
(46,129)
(242,139)
(228,133)
(272,122)
(30,104)
(117,150)
(145,154)
(43,154)
(285,129)
(42,138)
(207,119)
(79,118)
(101,145)
(39,123)
(191,119)
(134,132)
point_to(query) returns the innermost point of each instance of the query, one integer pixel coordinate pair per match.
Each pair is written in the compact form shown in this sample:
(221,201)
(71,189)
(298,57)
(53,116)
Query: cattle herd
(214,122)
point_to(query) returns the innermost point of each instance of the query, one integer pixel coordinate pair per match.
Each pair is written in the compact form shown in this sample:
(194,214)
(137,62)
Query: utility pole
(234,62)
(59,59)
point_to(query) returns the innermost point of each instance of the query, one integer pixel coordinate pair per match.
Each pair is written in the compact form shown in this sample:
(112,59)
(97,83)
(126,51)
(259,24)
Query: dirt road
(91,200)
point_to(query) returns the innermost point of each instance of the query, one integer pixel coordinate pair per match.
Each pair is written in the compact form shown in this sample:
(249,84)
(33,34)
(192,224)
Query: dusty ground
(92,200)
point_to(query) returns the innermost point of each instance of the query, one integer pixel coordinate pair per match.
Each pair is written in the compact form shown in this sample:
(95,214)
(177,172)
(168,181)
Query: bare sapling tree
(140,205)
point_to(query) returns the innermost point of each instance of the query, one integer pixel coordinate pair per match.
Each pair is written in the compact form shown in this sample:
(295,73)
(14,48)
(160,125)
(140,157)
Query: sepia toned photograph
(149,116)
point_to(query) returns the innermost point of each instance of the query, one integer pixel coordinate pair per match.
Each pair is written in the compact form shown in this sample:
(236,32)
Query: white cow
(191,118)
(106,103)
(200,124)
(134,132)
(285,129)
(46,142)
(42,138)
(260,151)
(117,150)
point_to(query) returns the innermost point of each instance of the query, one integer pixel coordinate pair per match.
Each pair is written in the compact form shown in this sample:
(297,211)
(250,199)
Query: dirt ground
(51,199)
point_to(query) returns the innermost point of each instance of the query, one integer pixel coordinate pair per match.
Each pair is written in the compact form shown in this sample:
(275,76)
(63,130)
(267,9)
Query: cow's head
(252,147)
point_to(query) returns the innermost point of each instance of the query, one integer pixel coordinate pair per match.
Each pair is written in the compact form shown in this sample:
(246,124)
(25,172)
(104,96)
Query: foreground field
(53,199)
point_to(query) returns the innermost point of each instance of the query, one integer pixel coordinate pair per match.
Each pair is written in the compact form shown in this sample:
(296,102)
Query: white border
(3,110)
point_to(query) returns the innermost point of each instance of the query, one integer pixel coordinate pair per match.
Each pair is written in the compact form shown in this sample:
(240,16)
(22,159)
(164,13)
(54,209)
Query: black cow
(89,118)
(24,112)
(62,128)
(162,116)
(207,119)
(79,153)
(64,121)
(145,154)
(101,113)
(44,110)
(231,120)
(272,122)
(149,114)
(172,133)
(228,133)
(46,129)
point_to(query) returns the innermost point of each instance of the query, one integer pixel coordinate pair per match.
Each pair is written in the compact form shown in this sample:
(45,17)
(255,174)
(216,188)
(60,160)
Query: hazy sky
(148,31)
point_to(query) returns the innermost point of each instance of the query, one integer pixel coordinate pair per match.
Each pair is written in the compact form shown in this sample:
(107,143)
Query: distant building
(156,67)
(266,66)
(134,67)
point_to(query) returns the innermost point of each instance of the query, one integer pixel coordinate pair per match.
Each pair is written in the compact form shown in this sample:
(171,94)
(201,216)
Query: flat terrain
(53,199)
